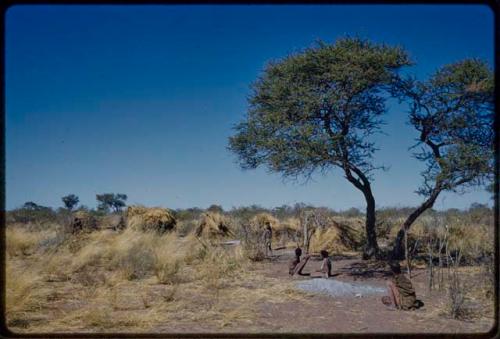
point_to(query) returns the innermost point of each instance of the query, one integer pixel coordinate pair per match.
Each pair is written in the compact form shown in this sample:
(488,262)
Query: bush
(252,244)
(456,294)
(32,213)
(137,262)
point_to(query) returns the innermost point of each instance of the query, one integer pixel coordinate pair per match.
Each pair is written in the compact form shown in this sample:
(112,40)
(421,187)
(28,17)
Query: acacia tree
(454,114)
(70,201)
(106,201)
(316,110)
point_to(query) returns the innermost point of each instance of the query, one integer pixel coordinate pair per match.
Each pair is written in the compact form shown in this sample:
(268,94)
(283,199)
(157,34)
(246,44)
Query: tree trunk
(398,251)
(363,184)
(371,248)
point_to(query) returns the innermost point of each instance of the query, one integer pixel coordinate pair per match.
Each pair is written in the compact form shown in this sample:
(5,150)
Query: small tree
(215,208)
(316,110)
(107,201)
(453,112)
(70,201)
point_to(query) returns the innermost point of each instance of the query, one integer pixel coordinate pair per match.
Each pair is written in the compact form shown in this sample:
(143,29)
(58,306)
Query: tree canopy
(317,109)
(453,111)
(70,201)
(107,201)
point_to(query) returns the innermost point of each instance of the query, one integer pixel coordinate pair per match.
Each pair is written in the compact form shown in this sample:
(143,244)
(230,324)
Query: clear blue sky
(141,99)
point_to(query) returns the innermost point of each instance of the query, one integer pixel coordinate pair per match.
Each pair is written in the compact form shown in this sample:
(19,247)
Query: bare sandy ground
(346,315)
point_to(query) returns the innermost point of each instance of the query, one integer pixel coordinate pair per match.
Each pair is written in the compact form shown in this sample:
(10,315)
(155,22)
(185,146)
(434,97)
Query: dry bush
(21,287)
(53,241)
(167,271)
(259,221)
(213,225)
(476,241)
(288,230)
(456,289)
(136,262)
(218,265)
(157,219)
(112,221)
(185,227)
(20,241)
(170,256)
(252,245)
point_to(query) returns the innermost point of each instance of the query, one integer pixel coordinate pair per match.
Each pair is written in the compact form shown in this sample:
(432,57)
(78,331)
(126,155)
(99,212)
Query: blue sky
(142,99)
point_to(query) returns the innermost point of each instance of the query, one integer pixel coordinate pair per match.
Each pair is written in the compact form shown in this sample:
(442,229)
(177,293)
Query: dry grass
(138,281)
(21,289)
(111,279)
(20,241)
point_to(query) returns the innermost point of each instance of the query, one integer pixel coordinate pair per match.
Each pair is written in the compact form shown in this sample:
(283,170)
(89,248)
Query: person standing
(268,236)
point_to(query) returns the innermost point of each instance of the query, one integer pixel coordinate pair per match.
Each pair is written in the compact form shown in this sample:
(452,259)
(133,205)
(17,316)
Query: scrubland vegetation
(166,270)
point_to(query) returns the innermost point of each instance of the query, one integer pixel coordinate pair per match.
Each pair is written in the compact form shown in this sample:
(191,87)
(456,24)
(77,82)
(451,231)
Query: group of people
(297,264)
(401,294)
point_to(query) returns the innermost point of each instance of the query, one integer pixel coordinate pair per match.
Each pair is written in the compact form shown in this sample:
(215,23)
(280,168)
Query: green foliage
(246,213)
(215,208)
(70,201)
(316,109)
(31,212)
(188,213)
(454,113)
(107,201)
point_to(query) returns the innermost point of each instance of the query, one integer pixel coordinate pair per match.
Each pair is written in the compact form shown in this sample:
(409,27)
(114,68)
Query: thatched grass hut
(336,238)
(213,225)
(259,222)
(150,219)
(83,221)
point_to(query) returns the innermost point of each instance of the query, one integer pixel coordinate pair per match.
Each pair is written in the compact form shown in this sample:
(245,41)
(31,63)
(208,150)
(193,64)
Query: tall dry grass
(21,241)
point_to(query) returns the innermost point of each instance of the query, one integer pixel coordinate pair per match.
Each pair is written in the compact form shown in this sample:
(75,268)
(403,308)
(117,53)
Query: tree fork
(397,252)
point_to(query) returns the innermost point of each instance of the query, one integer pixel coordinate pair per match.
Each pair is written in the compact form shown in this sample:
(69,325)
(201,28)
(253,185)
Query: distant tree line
(35,213)
(30,212)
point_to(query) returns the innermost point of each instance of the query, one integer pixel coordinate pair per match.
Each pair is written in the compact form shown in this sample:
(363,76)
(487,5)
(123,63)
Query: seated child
(326,265)
(297,265)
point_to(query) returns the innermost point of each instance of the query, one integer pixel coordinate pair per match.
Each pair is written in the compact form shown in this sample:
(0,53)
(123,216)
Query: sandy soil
(326,314)
(367,314)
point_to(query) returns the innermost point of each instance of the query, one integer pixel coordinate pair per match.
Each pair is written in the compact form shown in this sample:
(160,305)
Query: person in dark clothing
(326,265)
(297,265)
(401,292)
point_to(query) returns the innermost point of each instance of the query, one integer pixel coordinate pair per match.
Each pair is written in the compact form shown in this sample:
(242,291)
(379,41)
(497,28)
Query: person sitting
(297,265)
(401,292)
(326,265)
